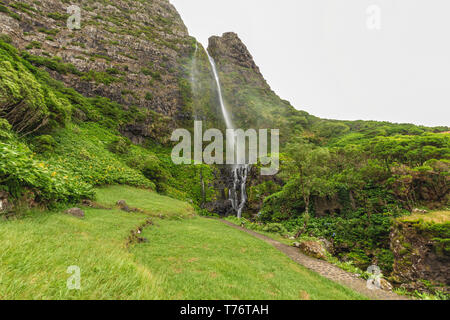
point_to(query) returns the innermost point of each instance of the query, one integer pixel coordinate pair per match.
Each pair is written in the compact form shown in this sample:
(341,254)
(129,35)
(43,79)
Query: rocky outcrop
(222,207)
(128,51)
(326,206)
(247,95)
(231,52)
(422,255)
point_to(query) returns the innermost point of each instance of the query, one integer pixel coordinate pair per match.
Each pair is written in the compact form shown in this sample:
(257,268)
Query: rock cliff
(422,255)
(248,96)
(132,52)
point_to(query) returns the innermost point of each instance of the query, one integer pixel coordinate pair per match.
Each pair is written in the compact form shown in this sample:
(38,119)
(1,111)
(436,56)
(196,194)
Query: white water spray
(237,194)
(227,118)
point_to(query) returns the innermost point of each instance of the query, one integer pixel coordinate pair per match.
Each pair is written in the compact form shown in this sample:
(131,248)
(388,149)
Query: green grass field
(434,217)
(186,257)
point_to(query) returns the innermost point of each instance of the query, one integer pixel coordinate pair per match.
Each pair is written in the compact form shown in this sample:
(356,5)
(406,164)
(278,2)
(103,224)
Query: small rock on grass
(76,212)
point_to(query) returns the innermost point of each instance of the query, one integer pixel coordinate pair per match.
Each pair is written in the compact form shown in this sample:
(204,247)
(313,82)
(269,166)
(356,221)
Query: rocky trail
(325,269)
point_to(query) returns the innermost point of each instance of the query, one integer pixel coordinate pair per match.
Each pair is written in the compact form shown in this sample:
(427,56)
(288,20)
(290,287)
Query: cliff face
(132,52)
(422,255)
(139,53)
(233,56)
(248,96)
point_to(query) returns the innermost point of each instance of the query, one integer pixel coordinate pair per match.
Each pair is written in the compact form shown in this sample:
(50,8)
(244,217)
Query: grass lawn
(190,258)
(206,259)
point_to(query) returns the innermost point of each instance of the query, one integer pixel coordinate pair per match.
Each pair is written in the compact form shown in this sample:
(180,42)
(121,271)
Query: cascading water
(226,116)
(240,174)
(237,194)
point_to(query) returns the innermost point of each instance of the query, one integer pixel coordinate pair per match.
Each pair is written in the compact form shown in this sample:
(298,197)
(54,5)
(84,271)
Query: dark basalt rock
(229,51)
(221,207)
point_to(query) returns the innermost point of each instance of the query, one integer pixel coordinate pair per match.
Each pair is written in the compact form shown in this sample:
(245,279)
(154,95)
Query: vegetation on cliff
(81,110)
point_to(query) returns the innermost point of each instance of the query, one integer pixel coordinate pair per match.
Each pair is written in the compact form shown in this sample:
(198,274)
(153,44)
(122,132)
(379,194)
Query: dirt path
(325,269)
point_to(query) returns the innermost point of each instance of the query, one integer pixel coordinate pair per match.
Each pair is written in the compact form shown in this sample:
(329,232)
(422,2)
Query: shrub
(44,143)
(148,96)
(275,228)
(5,38)
(153,170)
(50,184)
(119,145)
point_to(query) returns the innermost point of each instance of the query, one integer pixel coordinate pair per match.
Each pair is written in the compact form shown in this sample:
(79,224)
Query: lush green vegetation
(184,259)
(209,260)
(349,193)
(345,181)
(58,144)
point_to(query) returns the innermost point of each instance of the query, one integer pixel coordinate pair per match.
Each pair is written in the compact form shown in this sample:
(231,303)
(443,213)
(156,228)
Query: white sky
(321,56)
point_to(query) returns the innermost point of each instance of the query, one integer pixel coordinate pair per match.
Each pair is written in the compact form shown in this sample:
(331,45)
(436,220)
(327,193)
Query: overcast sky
(329,58)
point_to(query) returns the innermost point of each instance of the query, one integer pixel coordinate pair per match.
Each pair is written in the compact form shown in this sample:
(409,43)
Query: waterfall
(226,116)
(237,194)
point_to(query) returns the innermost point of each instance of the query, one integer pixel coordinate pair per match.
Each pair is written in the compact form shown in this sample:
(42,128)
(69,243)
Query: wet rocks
(221,207)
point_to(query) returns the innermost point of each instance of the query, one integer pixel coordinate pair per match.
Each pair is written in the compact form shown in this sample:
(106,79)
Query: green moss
(58,16)
(148,96)
(100,77)
(54,63)
(34,44)
(52,32)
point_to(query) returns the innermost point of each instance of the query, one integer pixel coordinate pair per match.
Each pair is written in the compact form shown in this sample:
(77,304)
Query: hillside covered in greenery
(81,111)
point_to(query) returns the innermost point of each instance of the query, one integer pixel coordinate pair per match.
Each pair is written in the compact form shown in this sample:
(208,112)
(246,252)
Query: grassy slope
(435,217)
(185,258)
(205,259)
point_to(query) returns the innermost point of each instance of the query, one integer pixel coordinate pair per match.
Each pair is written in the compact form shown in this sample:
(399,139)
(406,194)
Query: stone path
(325,269)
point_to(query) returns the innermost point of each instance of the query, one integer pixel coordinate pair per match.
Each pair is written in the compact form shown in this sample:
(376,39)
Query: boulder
(76,212)
(4,203)
(327,244)
(121,203)
(314,249)
(385,285)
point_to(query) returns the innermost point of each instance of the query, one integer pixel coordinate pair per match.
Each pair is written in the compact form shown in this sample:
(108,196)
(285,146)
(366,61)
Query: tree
(309,166)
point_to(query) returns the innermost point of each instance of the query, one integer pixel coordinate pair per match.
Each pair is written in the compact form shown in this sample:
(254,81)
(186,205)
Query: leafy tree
(309,168)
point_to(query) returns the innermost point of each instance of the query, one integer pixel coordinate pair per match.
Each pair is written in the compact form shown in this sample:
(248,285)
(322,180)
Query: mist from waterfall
(237,194)
(226,116)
